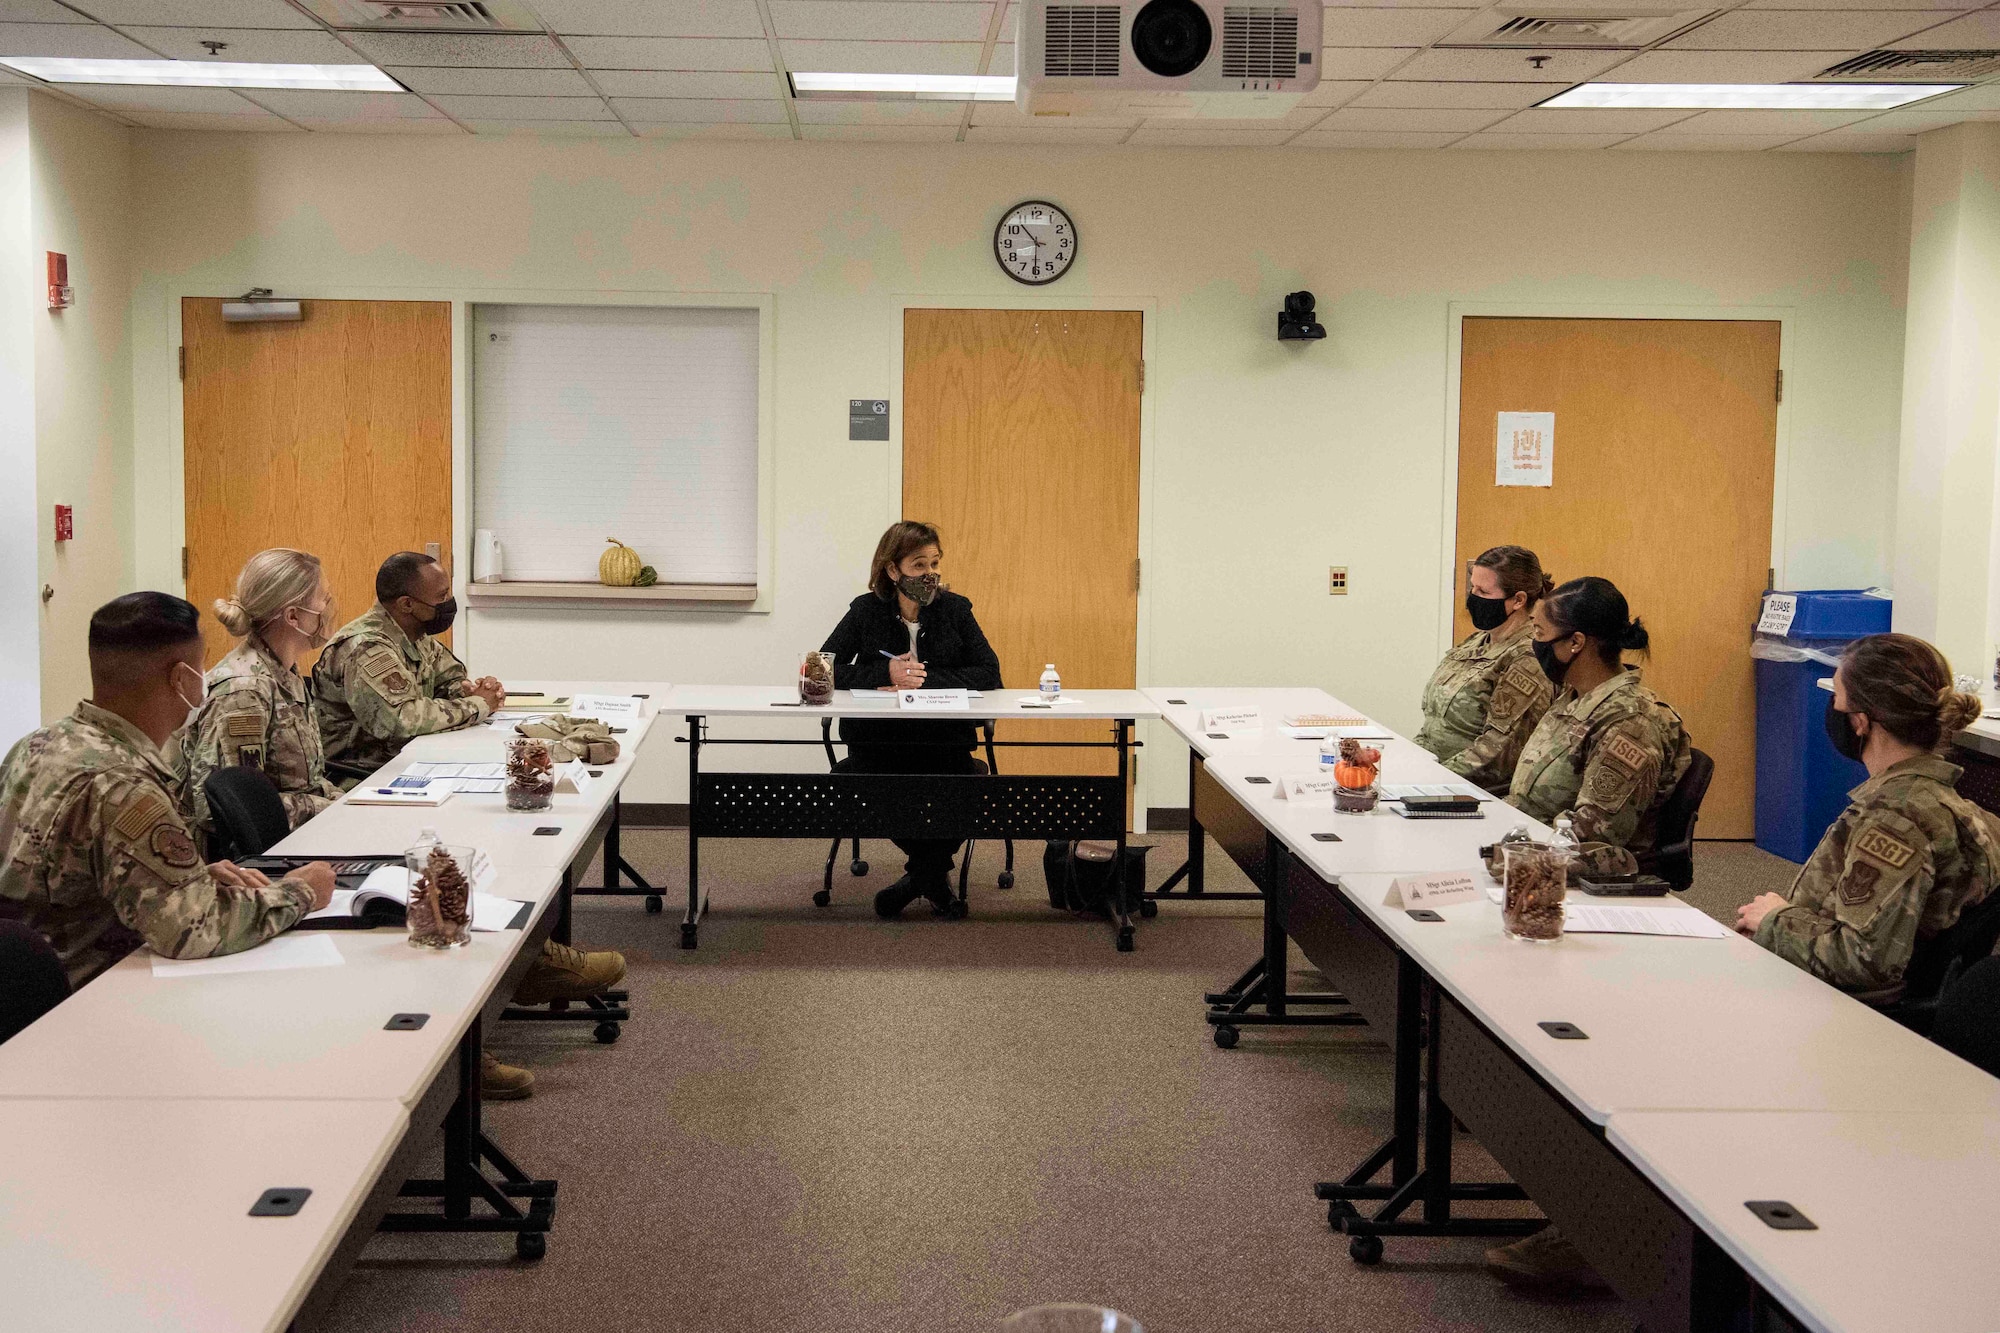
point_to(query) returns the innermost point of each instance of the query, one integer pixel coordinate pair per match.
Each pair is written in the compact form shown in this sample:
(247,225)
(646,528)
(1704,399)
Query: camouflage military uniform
(259,714)
(1907,856)
(376,689)
(1609,759)
(1482,704)
(100,859)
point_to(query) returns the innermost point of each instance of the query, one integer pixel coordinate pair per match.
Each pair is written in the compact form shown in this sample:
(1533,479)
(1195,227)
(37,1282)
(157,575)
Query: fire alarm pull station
(60,295)
(65,523)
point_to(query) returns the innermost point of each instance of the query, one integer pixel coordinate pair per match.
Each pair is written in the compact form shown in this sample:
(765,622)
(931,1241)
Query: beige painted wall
(80,173)
(20,664)
(1264,462)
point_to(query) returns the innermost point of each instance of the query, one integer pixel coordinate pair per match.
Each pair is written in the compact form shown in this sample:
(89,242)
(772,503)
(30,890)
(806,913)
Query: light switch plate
(1336,580)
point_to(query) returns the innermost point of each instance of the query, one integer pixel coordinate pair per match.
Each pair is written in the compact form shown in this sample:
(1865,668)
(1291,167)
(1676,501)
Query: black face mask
(1488,613)
(1841,732)
(442,615)
(1552,666)
(920,588)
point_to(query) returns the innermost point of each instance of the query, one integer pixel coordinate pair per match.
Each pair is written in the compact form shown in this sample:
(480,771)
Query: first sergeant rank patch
(1884,849)
(1626,752)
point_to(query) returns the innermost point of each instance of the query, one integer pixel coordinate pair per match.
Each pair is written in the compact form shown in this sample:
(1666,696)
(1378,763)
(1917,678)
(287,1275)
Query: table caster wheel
(958,910)
(653,908)
(857,868)
(1006,879)
(1148,908)
(1339,1211)
(690,935)
(531,1245)
(1225,1037)
(822,898)
(606,1033)
(1365,1249)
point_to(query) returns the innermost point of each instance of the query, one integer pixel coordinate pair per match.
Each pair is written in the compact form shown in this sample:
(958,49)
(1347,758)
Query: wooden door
(1665,450)
(332,435)
(1021,444)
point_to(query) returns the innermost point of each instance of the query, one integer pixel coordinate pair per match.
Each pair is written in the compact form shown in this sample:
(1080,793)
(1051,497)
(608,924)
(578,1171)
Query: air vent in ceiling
(1609,26)
(1082,41)
(426,15)
(1260,42)
(1914,67)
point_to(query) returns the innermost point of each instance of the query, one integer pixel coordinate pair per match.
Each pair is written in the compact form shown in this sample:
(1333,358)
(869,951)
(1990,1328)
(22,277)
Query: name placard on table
(1232,719)
(609,707)
(934,701)
(1456,886)
(1307,791)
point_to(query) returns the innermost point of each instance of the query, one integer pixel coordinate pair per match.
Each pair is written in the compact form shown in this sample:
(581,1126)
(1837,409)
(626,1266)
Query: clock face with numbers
(1035,242)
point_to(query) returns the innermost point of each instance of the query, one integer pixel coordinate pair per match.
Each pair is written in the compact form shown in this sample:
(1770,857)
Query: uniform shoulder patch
(1627,753)
(1858,886)
(171,844)
(243,724)
(147,809)
(387,670)
(1884,848)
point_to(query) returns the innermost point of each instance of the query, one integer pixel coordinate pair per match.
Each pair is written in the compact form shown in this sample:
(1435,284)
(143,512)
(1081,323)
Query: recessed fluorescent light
(205,74)
(1751,96)
(905,87)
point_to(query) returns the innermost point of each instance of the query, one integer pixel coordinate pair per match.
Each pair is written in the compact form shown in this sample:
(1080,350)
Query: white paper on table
(310,948)
(1036,701)
(465,779)
(1630,919)
(1524,449)
(886,698)
(1403,791)
(1368,733)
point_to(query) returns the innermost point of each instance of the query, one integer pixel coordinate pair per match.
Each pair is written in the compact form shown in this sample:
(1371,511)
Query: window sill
(591,594)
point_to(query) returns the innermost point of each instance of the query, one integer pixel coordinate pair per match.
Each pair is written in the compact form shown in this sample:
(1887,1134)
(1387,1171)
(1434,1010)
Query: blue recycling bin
(1802,782)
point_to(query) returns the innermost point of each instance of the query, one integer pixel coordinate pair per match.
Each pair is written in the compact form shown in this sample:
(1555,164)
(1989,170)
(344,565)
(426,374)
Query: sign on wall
(867,419)
(1524,449)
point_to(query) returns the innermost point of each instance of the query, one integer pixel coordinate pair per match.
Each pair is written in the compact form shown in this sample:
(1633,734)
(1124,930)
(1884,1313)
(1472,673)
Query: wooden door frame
(1149,319)
(157,549)
(1457,312)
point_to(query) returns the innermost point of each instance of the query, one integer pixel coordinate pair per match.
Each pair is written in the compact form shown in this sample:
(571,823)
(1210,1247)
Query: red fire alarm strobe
(65,523)
(60,295)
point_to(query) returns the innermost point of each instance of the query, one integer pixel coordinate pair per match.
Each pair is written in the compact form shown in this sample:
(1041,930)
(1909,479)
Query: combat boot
(503,1083)
(1543,1259)
(563,973)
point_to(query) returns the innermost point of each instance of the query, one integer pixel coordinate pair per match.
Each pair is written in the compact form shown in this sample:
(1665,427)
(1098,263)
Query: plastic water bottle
(1329,754)
(1051,684)
(1565,836)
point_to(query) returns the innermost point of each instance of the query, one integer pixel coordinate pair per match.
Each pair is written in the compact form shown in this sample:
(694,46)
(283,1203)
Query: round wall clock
(1035,242)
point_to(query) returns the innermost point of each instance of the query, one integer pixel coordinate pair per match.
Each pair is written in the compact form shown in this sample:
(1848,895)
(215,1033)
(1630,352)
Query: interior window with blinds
(633,422)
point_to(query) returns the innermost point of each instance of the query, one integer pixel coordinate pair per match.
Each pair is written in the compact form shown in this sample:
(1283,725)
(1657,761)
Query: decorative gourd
(619,566)
(1358,765)
(648,576)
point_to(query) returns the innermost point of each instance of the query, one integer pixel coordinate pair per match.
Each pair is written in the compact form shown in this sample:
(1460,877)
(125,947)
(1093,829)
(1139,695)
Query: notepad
(417,791)
(1321,721)
(1626,919)
(286,952)
(1403,791)
(465,779)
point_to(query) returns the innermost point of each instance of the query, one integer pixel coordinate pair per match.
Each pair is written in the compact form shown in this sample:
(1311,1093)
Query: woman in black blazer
(909,632)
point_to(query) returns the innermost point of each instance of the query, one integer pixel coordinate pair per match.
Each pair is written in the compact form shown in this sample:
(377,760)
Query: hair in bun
(1517,569)
(271,581)
(1904,685)
(1594,606)
(233,617)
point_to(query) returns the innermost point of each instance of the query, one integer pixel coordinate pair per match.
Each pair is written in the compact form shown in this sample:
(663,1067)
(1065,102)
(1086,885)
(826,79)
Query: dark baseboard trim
(635,814)
(1167,818)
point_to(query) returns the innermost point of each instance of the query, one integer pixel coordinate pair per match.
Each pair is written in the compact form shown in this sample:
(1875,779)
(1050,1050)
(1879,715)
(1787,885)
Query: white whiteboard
(634,422)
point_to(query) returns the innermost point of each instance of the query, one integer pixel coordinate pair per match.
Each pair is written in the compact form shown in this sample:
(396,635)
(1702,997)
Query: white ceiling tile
(1371,140)
(1331,5)
(878,113)
(1475,96)
(1506,66)
(1003,59)
(1865,4)
(38,11)
(1034,134)
(1160,134)
(1789,123)
(882,133)
(702,110)
(881,20)
(1335,92)
(1985,97)
(1361,62)
(551,129)
(435,125)
(1706,143)
(1725,66)
(1847,141)
(198,13)
(82,40)
(664,130)
(1400,120)
(882,57)
(1389,27)
(683,83)
(699,53)
(274,46)
(525,108)
(1007,114)
(652,18)
(302,105)
(175,120)
(495,82)
(491,50)
(1588,120)
(1919,122)
(1974,32)
(130,97)
(1538,142)
(1795,30)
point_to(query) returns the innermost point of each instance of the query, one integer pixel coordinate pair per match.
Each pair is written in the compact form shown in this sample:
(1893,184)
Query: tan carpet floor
(818,1121)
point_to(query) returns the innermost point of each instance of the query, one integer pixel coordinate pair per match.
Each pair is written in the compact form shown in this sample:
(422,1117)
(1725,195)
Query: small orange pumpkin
(1358,765)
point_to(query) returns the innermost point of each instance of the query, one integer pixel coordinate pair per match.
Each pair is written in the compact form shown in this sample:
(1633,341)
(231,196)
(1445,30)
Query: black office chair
(32,980)
(1672,857)
(1968,1016)
(1940,963)
(857,867)
(249,814)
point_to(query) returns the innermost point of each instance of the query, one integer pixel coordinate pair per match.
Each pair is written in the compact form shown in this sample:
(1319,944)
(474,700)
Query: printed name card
(1434,890)
(1307,791)
(1231,719)
(934,701)
(573,779)
(609,707)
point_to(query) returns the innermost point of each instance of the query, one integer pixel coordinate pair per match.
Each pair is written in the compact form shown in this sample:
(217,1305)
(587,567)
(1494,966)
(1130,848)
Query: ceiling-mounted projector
(1198,58)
